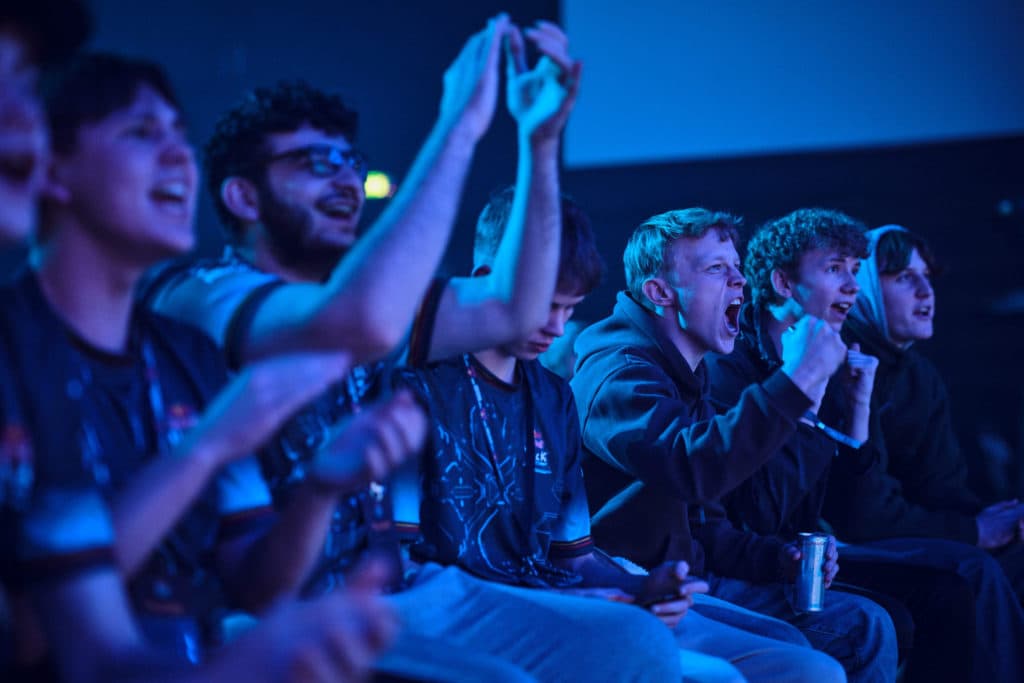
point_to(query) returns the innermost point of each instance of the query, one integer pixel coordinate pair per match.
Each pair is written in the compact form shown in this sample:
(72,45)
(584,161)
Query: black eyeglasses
(324,161)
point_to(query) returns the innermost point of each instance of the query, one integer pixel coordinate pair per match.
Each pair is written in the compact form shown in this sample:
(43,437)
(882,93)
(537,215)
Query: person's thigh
(854,630)
(414,657)
(941,604)
(757,657)
(1000,620)
(725,612)
(549,635)
(1011,559)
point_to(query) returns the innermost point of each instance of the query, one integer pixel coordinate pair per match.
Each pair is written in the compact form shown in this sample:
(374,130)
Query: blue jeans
(759,647)
(852,629)
(999,630)
(508,633)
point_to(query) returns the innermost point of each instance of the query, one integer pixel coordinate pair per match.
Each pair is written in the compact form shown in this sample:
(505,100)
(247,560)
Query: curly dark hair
(239,141)
(580,266)
(646,251)
(781,243)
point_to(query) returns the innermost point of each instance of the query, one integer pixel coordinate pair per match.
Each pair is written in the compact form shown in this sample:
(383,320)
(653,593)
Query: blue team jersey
(92,418)
(500,490)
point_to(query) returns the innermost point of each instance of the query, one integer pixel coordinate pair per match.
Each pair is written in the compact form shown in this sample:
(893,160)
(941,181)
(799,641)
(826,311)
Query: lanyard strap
(832,433)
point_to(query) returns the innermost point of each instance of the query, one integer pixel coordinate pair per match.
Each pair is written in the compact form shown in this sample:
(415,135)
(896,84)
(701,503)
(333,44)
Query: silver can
(810,581)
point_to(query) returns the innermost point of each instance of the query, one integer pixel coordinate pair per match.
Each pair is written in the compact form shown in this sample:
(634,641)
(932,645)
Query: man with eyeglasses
(288,183)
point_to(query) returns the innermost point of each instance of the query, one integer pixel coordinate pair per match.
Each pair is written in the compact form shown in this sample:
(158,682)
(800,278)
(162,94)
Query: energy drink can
(810,582)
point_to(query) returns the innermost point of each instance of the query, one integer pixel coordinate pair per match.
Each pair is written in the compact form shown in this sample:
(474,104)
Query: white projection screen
(693,79)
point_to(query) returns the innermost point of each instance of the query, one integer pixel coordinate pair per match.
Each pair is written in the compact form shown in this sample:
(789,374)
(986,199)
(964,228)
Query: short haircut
(647,249)
(238,146)
(580,266)
(893,250)
(54,29)
(93,87)
(780,244)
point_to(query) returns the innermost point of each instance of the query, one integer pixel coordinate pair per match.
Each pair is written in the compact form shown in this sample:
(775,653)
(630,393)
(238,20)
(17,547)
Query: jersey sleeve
(221,298)
(244,499)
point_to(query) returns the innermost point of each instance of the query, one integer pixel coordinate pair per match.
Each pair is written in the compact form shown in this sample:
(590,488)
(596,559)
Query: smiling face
(310,214)
(131,179)
(708,284)
(909,301)
(23,139)
(825,286)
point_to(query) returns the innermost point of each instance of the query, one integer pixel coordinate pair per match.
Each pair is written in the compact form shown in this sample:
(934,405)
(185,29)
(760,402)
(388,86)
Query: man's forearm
(277,564)
(600,571)
(156,499)
(389,269)
(860,419)
(527,259)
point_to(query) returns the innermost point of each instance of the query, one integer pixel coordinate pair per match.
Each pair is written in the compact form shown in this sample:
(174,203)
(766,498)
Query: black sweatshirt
(921,489)
(786,495)
(658,459)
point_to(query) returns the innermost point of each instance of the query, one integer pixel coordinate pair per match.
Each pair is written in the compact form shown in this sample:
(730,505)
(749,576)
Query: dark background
(387,59)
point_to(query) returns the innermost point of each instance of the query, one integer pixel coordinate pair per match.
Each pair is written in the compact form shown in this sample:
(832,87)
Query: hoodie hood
(869,309)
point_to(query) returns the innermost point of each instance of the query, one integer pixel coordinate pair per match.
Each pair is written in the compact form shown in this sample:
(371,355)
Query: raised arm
(513,298)
(368,302)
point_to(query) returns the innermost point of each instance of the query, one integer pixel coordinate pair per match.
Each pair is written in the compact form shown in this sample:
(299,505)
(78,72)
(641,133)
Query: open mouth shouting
(732,316)
(172,195)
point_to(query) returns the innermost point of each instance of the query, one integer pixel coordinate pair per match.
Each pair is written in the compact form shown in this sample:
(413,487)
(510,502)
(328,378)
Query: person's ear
(241,198)
(781,284)
(658,292)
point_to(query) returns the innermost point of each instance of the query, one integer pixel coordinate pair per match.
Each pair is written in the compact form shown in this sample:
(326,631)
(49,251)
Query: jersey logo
(540,458)
(16,472)
(180,419)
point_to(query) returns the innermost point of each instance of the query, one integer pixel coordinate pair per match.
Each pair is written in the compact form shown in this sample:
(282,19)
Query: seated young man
(287,180)
(115,396)
(926,471)
(501,492)
(805,263)
(659,459)
(269,152)
(918,488)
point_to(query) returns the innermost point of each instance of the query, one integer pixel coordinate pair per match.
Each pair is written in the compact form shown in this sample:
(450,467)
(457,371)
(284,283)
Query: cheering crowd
(312,458)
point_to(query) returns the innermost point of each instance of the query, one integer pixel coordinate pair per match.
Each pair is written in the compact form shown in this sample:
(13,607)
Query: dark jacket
(657,456)
(786,495)
(921,488)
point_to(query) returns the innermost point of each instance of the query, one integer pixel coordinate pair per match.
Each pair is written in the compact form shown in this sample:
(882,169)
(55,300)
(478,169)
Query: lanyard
(92,448)
(534,569)
(492,450)
(831,433)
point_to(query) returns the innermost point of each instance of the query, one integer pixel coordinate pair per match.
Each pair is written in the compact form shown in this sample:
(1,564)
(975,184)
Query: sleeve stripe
(423,326)
(45,568)
(237,329)
(580,546)
(240,523)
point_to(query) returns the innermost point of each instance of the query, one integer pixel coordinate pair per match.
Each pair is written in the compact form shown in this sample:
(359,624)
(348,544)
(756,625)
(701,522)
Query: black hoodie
(657,456)
(922,490)
(787,494)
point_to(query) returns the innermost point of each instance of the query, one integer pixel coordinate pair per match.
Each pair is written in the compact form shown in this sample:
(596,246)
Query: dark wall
(387,57)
